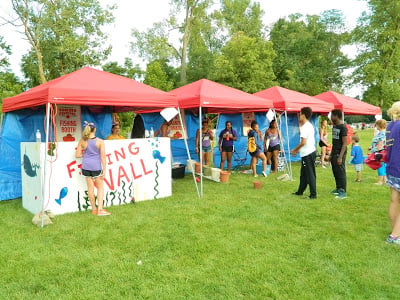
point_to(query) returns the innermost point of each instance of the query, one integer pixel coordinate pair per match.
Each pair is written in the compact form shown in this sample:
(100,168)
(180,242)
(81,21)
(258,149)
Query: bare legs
(206,158)
(100,194)
(394,215)
(90,185)
(358,176)
(323,154)
(273,156)
(381,180)
(254,160)
(226,156)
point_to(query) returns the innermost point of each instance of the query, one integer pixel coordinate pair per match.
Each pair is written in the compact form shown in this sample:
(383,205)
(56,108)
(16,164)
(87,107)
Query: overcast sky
(141,14)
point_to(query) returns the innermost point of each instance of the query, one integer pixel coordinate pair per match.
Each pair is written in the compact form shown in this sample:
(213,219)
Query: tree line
(222,40)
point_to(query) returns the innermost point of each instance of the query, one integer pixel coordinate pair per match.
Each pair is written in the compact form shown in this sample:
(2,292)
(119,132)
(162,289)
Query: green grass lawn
(235,243)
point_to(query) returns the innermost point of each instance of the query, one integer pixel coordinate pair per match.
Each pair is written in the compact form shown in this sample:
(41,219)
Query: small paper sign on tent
(378,117)
(169,113)
(270,115)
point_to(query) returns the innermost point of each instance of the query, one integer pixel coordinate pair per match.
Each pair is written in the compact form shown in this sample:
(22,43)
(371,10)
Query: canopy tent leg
(281,142)
(201,152)
(187,151)
(44,178)
(288,147)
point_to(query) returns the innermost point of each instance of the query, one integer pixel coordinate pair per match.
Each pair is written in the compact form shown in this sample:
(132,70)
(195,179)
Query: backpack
(251,144)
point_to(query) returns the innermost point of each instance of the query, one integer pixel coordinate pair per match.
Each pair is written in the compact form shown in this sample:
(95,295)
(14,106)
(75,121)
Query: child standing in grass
(357,156)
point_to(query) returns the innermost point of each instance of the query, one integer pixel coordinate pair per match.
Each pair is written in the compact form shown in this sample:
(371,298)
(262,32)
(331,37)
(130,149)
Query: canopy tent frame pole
(201,151)
(187,151)
(43,183)
(288,146)
(281,141)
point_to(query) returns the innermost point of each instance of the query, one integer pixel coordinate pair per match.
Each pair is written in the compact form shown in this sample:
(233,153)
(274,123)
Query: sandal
(94,211)
(357,180)
(103,212)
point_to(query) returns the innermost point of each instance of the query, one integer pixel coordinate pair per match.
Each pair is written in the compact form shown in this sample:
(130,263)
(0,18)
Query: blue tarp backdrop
(20,126)
(192,123)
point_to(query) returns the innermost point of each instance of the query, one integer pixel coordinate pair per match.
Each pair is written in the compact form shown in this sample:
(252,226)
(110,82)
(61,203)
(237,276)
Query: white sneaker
(255,176)
(264,174)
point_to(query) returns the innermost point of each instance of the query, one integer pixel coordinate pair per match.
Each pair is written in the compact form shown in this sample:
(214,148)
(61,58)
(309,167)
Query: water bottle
(151,132)
(38,136)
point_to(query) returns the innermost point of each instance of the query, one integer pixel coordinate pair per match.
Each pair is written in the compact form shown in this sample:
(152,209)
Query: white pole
(45,164)
(288,146)
(201,152)
(187,151)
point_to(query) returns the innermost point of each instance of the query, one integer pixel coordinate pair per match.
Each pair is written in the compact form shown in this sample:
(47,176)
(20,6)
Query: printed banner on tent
(175,128)
(68,122)
(247,117)
(137,170)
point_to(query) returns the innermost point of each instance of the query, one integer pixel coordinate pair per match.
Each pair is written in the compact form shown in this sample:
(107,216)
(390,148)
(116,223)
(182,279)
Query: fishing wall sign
(136,170)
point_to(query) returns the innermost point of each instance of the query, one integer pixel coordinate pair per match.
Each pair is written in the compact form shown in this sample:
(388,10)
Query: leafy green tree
(5,51)
(212,31)
(126,70)
(204,44)
(378,64)
(308,52)
(9,83)
(158,75)
(64,36)
(241,16)
(245,63)
(156,43)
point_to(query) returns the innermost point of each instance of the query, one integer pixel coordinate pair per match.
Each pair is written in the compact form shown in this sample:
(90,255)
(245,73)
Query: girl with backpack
(255,148)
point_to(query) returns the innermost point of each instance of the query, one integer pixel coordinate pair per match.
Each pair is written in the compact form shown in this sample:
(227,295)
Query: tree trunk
(185,43)
(22,10)
(40,65)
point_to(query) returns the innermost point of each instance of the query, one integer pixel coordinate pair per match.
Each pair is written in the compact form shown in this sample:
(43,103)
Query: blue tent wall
(20,126)
(192,124)
(178,149)
(294,133)
(241,143)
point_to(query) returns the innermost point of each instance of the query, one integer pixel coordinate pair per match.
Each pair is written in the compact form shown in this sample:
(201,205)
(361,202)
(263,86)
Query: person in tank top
(92,151)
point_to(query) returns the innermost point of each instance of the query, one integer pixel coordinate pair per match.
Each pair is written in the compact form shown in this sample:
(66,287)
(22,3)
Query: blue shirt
(257,139)
(393,146)
(357,154)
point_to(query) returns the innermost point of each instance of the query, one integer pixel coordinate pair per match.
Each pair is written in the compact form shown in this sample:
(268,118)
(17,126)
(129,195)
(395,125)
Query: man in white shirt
(307,151)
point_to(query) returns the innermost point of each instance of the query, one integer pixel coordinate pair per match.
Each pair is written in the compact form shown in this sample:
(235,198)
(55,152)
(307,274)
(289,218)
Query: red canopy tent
(217,98)
(91,87)
(292,101)
(88,87)
(349,105)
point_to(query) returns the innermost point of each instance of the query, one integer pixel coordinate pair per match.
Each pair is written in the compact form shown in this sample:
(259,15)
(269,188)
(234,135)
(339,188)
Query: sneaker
(311,197)
(323,167)
(103,212)
(393,240)
(297,194)
(335,192)
(264,174)
(255,176)
(341,195)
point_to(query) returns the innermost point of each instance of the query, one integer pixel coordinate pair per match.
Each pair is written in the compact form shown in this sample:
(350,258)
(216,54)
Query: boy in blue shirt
(357,157)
